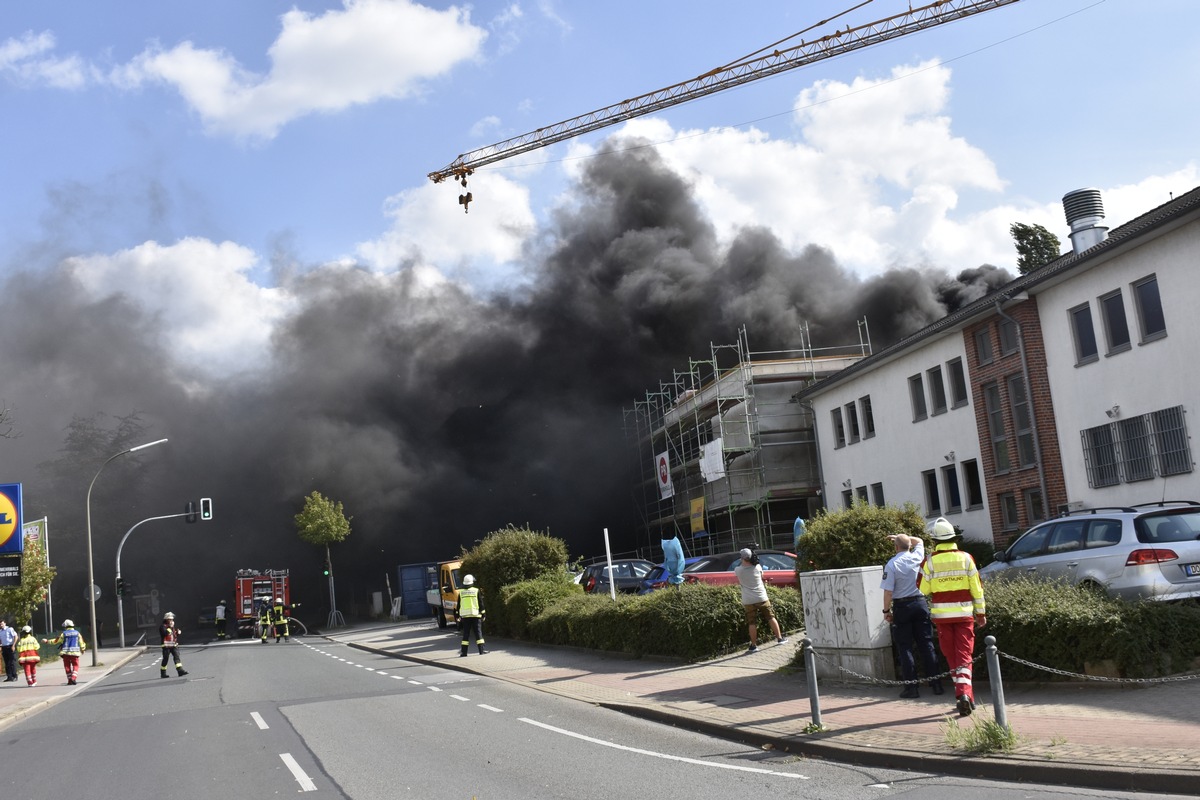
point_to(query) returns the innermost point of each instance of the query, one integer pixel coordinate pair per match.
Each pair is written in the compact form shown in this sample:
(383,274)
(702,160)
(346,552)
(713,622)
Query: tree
(322,522)
(17,603)
(7,430)
(857,536)
(1036,246)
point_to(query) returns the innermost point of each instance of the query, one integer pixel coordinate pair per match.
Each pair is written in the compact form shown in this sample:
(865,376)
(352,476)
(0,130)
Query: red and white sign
(662,468)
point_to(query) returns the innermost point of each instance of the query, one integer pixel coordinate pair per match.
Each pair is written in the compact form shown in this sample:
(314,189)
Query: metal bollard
(997,684)
(810,671)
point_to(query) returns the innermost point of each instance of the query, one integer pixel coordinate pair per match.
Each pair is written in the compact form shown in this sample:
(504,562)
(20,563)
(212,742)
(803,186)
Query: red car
(779,568)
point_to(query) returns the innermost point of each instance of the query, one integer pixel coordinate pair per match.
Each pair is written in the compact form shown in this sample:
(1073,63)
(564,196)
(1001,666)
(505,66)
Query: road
(253,720)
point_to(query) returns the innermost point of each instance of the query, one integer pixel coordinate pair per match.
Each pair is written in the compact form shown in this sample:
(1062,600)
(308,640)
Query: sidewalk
(19,700)
(1134,737)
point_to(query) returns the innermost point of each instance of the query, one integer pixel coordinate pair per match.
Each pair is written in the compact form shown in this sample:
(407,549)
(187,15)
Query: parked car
(657,578)
(1149,551)
(627,572)
(779,568)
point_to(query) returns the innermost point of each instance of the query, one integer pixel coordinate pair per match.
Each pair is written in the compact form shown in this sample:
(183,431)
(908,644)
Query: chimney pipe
(1085,212)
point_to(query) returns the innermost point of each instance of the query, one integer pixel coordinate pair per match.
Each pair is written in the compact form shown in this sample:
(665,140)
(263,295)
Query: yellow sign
(697,516)
(9,519)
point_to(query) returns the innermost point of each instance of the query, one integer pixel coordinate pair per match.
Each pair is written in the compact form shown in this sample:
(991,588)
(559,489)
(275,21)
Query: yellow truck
(442,583)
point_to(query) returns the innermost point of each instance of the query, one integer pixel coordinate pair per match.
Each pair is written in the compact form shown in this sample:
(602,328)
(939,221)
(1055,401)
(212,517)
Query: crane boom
(735,74)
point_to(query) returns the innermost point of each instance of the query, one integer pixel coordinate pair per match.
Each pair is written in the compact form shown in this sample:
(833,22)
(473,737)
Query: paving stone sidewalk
(1109,735)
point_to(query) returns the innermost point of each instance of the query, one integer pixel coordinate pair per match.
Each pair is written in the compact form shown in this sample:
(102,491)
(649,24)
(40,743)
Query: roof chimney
(1084,213)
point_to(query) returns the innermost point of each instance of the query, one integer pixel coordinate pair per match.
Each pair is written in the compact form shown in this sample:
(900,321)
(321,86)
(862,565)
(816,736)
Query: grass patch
(983,736)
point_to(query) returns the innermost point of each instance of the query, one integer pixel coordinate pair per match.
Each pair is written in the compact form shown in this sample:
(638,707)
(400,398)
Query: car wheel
(1094,588)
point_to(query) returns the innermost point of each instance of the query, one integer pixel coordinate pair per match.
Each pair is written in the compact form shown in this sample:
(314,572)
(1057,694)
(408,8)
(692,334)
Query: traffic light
(325,569)
(205,508)
(120,587)
(190,510)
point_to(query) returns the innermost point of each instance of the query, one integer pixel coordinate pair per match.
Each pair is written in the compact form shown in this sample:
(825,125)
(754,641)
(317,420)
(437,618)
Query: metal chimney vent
(1085,211)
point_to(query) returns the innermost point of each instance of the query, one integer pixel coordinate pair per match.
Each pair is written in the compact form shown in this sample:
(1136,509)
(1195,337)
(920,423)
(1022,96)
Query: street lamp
(91,572)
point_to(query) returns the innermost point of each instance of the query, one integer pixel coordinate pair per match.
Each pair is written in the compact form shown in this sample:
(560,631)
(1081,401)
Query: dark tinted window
(1031,544)
(1103,533)
(1066,536)
(1175,527)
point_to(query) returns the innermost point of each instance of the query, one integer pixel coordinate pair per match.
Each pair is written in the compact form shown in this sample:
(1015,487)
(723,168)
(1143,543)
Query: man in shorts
(754,597)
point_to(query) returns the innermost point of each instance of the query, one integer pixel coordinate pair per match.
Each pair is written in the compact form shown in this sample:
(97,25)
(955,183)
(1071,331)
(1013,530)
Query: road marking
(491,708)
(258,720)
(434,689)
(666,756)
(415,683)
(306,784)
(460,697)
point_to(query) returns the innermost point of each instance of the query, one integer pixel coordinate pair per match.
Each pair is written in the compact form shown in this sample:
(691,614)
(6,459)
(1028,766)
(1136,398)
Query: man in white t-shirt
(754,597)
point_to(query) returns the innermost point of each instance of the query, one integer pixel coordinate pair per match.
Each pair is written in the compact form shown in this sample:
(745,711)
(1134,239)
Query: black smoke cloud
(434,415)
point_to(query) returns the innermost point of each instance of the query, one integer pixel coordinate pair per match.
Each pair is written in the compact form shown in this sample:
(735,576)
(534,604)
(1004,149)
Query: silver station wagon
(1149,551)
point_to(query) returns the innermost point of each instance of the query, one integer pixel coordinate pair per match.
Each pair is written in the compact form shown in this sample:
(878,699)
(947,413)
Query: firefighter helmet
(168,615)
(68,624)
(26,629)
(469,580)
(279,600)
(941,530)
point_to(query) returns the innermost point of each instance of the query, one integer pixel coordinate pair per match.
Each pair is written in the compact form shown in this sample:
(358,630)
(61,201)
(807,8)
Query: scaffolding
(730,446)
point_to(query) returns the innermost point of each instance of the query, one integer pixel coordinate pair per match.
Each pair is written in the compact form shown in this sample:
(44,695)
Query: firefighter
(280,617)
(951,582)
(27,654)
(219,618)
(170,645)
(470,615)
(264,617)
(70,648)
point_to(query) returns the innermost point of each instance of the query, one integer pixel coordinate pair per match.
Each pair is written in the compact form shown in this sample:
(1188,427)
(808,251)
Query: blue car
(657,578)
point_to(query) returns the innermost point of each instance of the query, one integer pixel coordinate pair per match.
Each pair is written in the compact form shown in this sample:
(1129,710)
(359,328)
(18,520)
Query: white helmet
(468,580)
(279,600)
(941,530)
(26,629)
(68,624)
(168,615)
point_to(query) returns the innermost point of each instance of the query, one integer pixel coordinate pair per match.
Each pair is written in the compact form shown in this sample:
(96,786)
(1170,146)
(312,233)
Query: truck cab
(442,583)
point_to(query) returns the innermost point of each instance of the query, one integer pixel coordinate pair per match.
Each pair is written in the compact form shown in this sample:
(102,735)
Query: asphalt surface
(1125,736)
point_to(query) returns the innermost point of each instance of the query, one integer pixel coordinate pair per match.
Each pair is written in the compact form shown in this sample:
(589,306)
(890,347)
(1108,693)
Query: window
(839,430)
(1134,438)
(1116,329)
(1008,337)
(1031,544)
(950,481)
(974,487)
(877,494)
(1103,533)
(958,383)
(1137,448)
(1151,322)
(1022,420)
(1033,502)
(1008,511)
(995,414)
(868,418)
(1066,537)
(983,345)
(852,422)
(933,500)
(937,390)
(1100,456)
(1171,441)
(847,499)
(916,391)
(1085,334)
(861,493)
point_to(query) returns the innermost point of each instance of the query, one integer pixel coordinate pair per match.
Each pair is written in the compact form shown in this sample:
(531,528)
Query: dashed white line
(258,720)
(434,689)
(415,683)
(491,708)
(460,697)
(306,783)
(666,756)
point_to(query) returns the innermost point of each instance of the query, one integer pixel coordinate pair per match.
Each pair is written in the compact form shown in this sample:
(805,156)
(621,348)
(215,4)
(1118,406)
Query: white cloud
(27,61)
(218,320)
(370,50)
(429,229)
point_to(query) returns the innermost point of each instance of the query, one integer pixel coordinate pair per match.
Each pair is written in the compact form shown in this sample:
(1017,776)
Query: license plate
(1191,570)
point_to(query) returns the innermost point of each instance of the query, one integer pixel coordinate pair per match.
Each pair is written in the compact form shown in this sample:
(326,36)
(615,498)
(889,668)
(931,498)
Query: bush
(693,622)
(521,602)
(857,536)
(507,556)
(1066,627)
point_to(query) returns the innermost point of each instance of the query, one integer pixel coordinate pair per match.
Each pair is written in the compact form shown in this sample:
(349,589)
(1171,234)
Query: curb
(19,714)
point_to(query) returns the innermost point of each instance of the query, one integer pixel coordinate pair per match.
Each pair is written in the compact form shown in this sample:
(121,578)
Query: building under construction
(727,455)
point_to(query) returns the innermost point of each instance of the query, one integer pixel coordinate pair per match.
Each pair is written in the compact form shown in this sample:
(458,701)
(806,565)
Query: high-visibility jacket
(951,582)
(469,604)
(70,642)
(27,649)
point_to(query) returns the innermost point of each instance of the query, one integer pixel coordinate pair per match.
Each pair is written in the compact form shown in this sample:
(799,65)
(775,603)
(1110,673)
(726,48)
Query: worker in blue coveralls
(672,557)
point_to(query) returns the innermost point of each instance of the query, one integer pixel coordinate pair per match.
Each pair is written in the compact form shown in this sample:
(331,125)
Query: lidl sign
(11,540)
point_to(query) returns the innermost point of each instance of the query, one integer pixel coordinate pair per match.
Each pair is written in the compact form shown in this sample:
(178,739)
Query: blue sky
(195,150)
